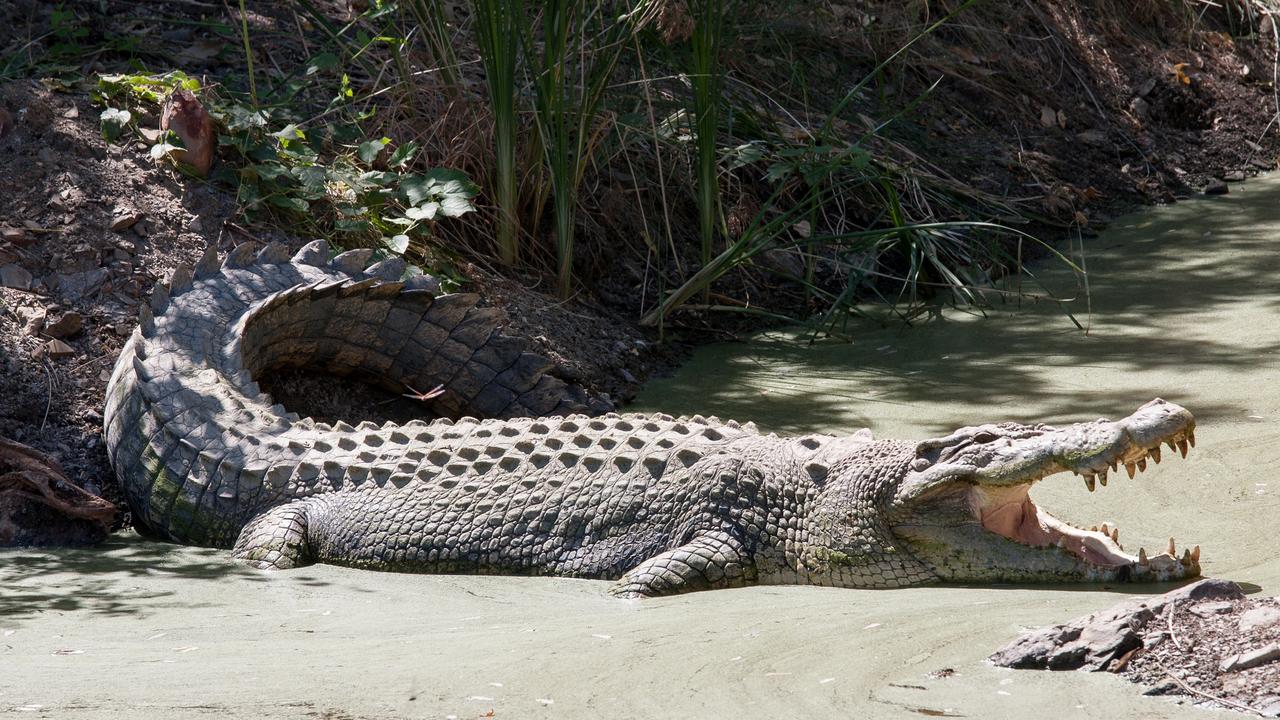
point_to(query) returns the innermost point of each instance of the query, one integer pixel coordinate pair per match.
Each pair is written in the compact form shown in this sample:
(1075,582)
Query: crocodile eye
(985,437)
(919,464)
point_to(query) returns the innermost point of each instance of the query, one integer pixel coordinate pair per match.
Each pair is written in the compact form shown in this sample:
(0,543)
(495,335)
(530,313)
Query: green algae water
(1184,305)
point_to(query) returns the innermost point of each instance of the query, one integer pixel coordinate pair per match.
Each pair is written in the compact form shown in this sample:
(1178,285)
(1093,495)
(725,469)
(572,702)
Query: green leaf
(289,132)
(290,203)
(369,150)
(398,244)
(426,211)
(312,176)
(113,121)
(321,62)
(455,206)
(403,154)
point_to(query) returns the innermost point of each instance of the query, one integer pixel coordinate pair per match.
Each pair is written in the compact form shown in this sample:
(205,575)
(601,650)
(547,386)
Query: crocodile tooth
(1195,554)
(1191,438)
(1062,542)
(1142,465)
(1115,536)
(1102,478)
(1114,466)
(1088,482)
(1106,530)
(1182,447)
(1142,556)
(1172,550)
(1093,528)
(1131,468)
(1186,558)
(1171,444)
(1155,454)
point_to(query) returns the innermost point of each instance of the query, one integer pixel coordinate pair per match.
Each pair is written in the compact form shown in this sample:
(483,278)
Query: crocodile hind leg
(276,539)
(708,562)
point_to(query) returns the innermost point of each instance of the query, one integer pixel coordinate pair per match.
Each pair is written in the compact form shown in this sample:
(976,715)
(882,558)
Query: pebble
(1216,187)
(15,276)
(57,349)
(17,236)
(68,325)
(1233,176)
(123,219)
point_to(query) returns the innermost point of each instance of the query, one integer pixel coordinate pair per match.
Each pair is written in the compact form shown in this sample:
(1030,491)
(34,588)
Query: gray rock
(1251,659)
(1097,641)
(1209,609)
(1233,176)
(1096,138)
(75,286)
(1259,617)
(1216,187)
(15,276)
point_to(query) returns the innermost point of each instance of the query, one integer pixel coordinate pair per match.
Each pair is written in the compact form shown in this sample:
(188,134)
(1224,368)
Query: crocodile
(527,472)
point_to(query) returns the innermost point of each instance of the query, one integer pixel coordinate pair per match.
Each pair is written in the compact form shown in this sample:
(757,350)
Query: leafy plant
(499,42)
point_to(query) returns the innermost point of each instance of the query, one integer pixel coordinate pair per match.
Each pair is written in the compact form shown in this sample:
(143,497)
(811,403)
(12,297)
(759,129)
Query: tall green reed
(496,34)
(708,30)
(571,55)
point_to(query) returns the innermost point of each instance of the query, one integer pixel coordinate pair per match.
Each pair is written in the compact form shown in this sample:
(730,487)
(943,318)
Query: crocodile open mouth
(1009,512)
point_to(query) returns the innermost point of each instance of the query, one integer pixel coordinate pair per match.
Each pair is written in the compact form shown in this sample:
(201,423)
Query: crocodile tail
(199,448)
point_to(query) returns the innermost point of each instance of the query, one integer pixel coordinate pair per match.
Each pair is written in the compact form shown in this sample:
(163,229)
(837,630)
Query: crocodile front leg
(714,560)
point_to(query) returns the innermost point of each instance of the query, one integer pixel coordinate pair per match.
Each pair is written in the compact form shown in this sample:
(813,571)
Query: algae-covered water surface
(1184,305)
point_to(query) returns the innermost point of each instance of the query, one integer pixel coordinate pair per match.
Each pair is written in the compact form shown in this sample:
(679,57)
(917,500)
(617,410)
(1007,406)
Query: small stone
(15,276)
(71,113)
(1259,617)
(1096,138)
(1139,108)
(1269,706)
(68,325)
(1233,176)
(81,284)
(195,225)
(123,219)
(1147,87)
(1251,659)
(56,349)
(1216,187)
(17,236)
(34,320)
(1209,609)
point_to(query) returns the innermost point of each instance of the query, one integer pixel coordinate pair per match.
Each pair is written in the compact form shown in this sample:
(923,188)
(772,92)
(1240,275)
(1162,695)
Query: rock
(1216,187)
(1259,617)
(1097,641)
(75,286)
(1139,108)
(1250,659)
(34,320)
(1209,609)
(1048,117)
(56,350)
(123,218)
(194,225)
(17,236)
(68,325)
(15,276)
(1268,706)
(1233,176)
(1147,87)
(1096,138)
